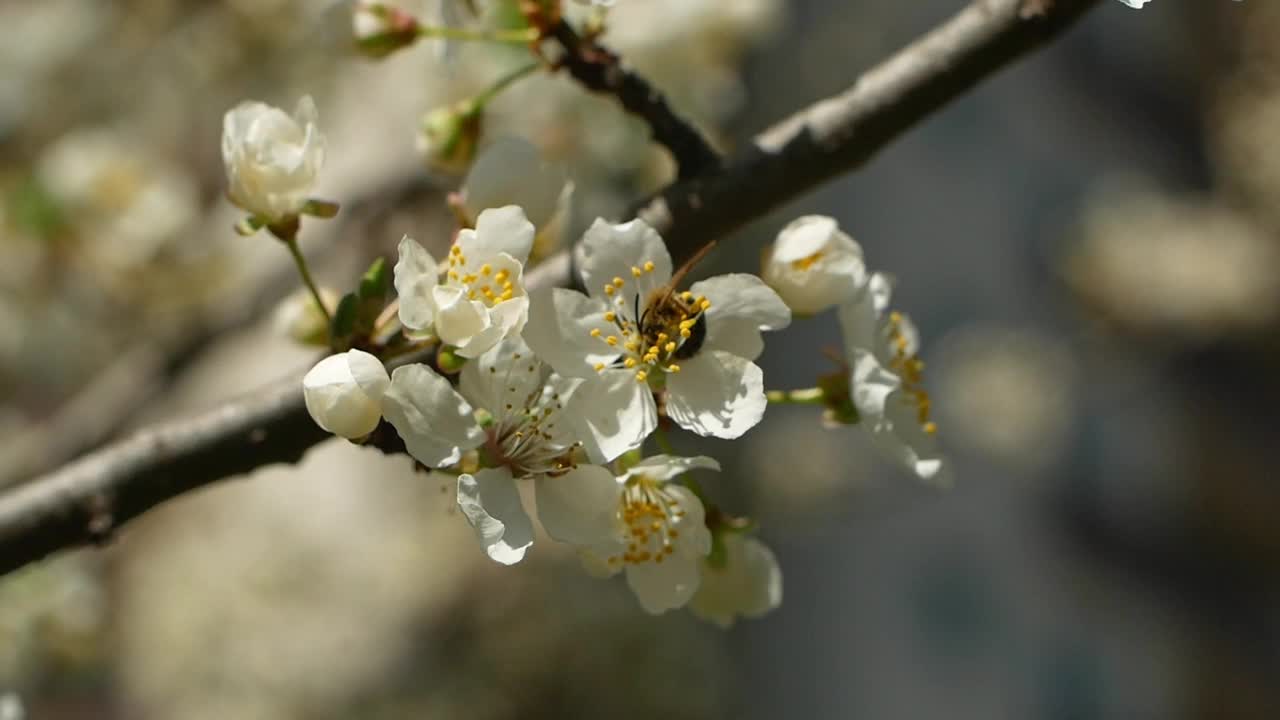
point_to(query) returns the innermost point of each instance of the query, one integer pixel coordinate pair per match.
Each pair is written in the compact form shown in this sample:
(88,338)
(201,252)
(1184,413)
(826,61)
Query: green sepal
(837,399)
(345,318)
(249,226)
(448,361)
(320,208)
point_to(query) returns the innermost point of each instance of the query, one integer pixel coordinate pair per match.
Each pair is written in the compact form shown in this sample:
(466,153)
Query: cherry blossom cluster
(551,402)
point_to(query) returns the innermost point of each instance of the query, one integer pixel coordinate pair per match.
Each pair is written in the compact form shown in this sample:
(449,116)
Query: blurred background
(1089,244)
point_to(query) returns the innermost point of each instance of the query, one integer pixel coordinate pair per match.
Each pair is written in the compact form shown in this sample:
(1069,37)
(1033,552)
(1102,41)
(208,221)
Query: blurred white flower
(11,707)
(885,380)
(481,298)
(747,583)
(659,532)
(300,319)
(271,159)
(511,171)
(1135,3)
(813,265)
(344,393)
(634,333)
(1021,383)
(509,404)
(1178,266)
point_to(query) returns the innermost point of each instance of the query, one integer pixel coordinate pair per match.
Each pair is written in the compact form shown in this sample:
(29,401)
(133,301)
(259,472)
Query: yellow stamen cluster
(911,370)
(486,285)
(649,514)
(653,343)
(805,263)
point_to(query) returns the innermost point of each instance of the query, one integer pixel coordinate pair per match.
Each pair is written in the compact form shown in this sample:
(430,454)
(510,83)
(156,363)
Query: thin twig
(87,500)
(600,69)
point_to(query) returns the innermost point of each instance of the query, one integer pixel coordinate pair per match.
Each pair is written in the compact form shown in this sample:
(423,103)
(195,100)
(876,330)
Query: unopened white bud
(814,266)
(271,159)
(381,29)
(344,393)
(748,583)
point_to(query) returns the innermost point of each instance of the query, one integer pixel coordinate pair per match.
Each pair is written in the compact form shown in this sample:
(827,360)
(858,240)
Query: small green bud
(449,135)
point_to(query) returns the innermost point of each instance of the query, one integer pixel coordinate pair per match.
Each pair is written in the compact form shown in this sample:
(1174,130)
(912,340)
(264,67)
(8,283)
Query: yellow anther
(705,305)
(455,250)
(663,337)
(685,332)
(686,296)
(502,276)
(485,269)
(629,362)
(453,274)
(506,294)
(641,375)
(608,289)
(673,368)
(931,427)
(610,316)
(649,266)
(471,294)
(636,272)
(595,332)
(612,340)
(617,282)
(599,367)
(669,347)
(653,350)
(469,278)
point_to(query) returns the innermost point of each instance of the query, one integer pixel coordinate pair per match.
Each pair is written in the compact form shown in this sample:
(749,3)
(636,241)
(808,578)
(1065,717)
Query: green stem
(522,36)
(503,83)
(291,242)
(663,442)
(807,396)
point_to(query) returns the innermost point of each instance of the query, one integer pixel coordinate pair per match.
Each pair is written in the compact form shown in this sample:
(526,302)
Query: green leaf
(36,210)
(344,321)
(376,281)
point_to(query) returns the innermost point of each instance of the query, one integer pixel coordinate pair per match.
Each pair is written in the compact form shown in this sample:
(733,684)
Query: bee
(665,310)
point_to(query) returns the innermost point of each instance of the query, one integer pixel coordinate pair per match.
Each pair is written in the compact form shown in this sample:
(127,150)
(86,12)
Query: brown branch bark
(87,500)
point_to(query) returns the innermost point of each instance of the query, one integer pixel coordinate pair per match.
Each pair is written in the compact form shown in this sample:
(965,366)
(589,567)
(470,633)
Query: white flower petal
(666,585)
(458,319)
(903,437)
(559,331)
(498,230)
(608,251)
(435,422)
(581,506)
(271,159)
(859,316)
(511,171)
(749,584)
(491,503)
(665,467)
(740,304)
(344,393)
(612,413)
(717,394)
(695,538)
(813,265)
(416,276)
(498,377)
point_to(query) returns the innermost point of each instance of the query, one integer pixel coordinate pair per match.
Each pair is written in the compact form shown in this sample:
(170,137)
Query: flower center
(805,263)
(670,327)
(522,436)
(485,285)
(649,512)
(911,369)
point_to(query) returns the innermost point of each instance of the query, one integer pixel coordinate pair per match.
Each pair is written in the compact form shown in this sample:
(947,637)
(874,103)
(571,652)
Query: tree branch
(85,501)
(600,69)
(843,132)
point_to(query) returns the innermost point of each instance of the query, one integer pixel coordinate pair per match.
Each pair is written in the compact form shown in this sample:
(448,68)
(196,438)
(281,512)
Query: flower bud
(299,318)
(344,393)
(381,29)
(813,265)
(271,159)
(449,135)
(748,583)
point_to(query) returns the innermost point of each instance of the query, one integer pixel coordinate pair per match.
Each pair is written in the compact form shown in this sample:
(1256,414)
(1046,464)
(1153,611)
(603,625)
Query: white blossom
(271,159)
(748,583)
(1135,3)
(344,393)
(813,265)
(511,407)
(657,530)
(511,171)
(885,378)
(480,299)
(634,333)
